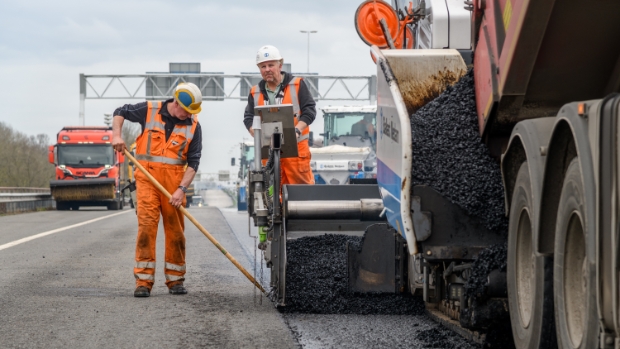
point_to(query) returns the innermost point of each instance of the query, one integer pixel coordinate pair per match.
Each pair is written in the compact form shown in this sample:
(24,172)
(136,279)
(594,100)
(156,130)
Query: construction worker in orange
(279,87)
(169,148)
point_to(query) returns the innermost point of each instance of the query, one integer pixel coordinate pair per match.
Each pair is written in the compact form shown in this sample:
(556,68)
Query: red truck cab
(88,170)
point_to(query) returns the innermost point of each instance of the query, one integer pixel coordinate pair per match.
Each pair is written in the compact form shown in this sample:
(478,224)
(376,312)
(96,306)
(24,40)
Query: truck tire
(574,271)
(114,205)
(529,278)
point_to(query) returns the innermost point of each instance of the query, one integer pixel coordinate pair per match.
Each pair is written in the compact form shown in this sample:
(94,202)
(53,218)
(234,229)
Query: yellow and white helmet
(189,97)
(268,53)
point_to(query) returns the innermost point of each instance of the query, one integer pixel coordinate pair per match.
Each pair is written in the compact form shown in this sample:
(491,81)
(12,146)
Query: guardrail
(17,200)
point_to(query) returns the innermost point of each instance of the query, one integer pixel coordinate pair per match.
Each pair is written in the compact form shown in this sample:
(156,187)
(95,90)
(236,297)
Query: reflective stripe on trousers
(145,265)
(172,278)
(174,267)
(146,277)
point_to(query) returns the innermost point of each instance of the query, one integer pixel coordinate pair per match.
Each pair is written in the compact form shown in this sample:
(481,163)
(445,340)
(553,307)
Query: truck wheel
(575,272)
(114,205)
(529,278)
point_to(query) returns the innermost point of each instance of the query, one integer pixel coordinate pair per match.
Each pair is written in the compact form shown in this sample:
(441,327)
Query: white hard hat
(189,97)
(268,53)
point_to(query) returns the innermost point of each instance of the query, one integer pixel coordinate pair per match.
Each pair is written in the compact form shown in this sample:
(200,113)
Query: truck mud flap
(378,264)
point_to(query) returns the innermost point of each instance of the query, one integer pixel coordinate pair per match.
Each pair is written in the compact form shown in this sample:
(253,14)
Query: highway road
(66,280)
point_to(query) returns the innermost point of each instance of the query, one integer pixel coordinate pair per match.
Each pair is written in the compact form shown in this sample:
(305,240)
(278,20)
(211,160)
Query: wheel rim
(524,268)
(574,280)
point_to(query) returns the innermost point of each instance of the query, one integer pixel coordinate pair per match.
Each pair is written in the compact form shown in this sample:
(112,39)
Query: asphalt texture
(74,288)
(312,330)
(316,281)
(489,259)
(449,156)
(373,331)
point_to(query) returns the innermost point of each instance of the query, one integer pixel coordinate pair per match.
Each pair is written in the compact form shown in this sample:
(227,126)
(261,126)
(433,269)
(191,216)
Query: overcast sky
(45,45)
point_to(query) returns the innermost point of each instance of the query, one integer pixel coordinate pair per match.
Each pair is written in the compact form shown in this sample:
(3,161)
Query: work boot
(177,289)
(141,291)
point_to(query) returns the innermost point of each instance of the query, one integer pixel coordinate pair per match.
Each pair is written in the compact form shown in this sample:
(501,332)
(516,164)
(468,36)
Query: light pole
(308,32)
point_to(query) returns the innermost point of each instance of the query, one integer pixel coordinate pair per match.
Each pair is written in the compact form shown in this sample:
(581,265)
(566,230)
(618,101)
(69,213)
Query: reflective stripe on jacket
(291,96)
(152,146)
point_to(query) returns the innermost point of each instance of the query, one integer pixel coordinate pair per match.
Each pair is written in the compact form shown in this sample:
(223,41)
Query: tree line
(23,159)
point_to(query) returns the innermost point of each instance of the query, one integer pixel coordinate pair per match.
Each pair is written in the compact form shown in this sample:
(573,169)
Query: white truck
(348,147)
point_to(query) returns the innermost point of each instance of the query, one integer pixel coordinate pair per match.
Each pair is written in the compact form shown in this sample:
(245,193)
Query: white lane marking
(30,238)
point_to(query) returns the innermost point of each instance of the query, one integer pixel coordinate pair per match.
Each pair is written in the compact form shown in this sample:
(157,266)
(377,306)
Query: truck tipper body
(547,77)
(348,148)
(88,170)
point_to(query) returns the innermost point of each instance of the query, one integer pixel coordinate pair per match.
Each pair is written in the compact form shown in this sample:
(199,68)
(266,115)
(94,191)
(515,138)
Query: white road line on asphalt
(30,238)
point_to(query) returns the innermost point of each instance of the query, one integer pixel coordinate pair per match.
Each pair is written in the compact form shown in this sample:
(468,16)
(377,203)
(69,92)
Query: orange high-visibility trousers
(296,170)
(151,204)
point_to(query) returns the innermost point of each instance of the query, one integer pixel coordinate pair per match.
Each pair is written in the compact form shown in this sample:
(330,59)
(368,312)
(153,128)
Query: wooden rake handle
(198,225)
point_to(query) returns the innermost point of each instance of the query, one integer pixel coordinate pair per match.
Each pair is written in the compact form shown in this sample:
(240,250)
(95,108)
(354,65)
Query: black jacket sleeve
(133,112)
(248,116)
(194,152)
(306,104)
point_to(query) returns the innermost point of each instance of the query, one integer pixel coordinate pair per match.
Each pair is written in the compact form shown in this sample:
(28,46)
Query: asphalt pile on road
(483,311)
(448,155)
(316,281)
(493,257)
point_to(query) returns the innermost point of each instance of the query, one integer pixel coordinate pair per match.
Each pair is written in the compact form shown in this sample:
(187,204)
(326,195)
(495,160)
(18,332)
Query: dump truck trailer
(546,94)
(88,170)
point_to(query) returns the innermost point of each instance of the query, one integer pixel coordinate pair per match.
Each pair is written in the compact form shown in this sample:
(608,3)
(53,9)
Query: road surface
(66,280)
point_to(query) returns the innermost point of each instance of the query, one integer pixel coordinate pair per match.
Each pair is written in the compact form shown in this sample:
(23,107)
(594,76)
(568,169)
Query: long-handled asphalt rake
(198,225)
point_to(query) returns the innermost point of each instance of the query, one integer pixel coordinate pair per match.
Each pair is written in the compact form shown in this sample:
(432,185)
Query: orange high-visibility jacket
(291,96)
(151,145)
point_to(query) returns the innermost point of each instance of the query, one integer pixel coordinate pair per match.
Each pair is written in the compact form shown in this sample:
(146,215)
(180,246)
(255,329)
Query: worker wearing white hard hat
(169,148)
(280,87)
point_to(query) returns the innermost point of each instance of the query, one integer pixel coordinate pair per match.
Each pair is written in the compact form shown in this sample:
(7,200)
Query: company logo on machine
(389,129)
(83,173)
(332,166)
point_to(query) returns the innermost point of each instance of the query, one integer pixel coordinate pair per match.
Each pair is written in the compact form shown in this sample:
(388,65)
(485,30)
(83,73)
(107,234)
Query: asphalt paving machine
(285,212)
